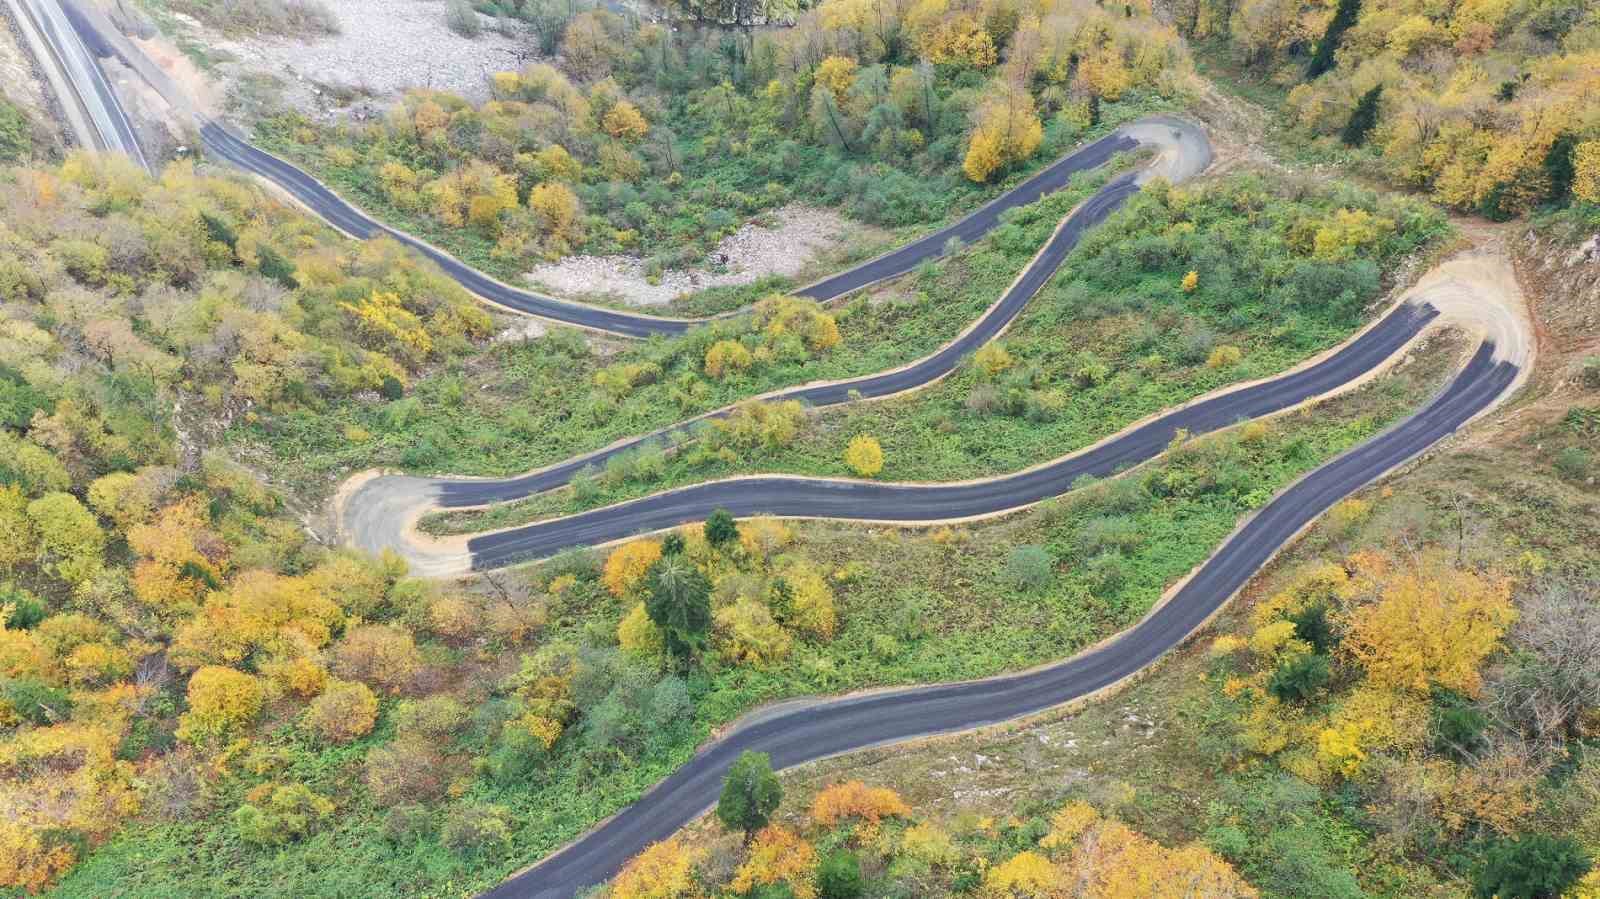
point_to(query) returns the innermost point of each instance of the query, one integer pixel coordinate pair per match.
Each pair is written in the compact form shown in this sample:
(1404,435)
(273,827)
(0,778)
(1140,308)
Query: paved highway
(68,63)
(833,727)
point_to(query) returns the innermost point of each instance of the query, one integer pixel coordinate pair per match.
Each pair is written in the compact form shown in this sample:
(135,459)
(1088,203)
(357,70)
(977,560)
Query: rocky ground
(790,239)
(383,48)
(18,84)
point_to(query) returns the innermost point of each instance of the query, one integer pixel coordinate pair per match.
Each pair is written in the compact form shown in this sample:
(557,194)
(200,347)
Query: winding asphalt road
(797,735)
(844,725)
(802,497)
(314,195)
(380,512)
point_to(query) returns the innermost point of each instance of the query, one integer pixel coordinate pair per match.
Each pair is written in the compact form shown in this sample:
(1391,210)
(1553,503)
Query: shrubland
(641,138)
(857,840)
(1279,272)
(1486,107)
(513,714)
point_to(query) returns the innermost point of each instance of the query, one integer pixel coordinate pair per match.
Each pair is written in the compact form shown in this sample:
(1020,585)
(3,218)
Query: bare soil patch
(785,242)
(383,48)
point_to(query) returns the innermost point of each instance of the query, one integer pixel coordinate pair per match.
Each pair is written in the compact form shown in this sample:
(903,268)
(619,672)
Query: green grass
(527,404)
(1152,339)
(681,217)
(968,622)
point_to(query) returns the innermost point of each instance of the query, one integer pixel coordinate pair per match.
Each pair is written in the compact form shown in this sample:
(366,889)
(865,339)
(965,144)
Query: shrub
(855,799)
(1535,866)
(455,618)
(16,133)
(864,456)
(1224,356)
(727,357)
(345,710)
(221,700)
(472,828)
(991,359)
(436,718)
(379,654)
(460,17)
(1573,462)
(1298,678)
(287,814)
(408,770)
(839,875)
(1029,567)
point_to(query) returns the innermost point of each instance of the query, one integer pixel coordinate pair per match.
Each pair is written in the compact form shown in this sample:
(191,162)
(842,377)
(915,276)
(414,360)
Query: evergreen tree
(1560,169)
(678,600)
(1535,866)
(720,528)
(1299,678)
(750,794)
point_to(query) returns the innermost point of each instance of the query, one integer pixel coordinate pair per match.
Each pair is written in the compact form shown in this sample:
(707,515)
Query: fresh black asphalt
(222,144)
(838,726)
(466,493)
(872,501)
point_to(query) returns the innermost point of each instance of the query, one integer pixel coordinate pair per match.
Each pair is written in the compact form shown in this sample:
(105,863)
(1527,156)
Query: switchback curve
(803,734)
(379,512)
(1183,145)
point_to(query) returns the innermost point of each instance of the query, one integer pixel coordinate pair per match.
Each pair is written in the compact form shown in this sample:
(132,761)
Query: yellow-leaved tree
(627,564)
(1432,625)
(779,856)
(1006,130)
(864,455)
(664,871)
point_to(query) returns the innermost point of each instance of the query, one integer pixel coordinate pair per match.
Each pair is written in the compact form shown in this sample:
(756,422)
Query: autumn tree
(345,710)
(623,121)
(665,870)
(221,701)
(628,564)
(71,543)
(750,794)
(778,856)
(1430,626)
(383,655)
(1006,131)
(1586,171)
(854,799)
